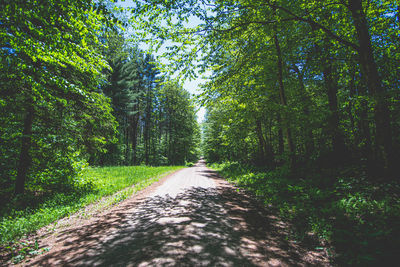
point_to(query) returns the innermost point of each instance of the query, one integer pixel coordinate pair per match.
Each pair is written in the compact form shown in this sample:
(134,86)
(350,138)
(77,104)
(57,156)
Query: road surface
(191,218)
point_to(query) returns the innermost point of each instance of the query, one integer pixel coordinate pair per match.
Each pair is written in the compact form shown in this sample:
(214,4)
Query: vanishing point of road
(190,218)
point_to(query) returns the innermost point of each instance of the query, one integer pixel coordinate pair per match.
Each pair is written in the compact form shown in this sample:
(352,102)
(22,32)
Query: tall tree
(235,35)
(51,54)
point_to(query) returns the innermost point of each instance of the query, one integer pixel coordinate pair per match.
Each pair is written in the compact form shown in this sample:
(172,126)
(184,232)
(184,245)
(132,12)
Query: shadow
(200,227)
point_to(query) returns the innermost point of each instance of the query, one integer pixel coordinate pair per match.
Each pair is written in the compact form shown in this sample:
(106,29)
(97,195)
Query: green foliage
(297,88)
(182,130)
(73,91)
(93,184)
(50,72)
(357,219)
(295,80)
(23,249)
(189,164)
(157,124)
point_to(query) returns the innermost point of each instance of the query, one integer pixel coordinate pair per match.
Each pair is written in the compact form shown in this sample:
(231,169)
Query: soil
(189,218)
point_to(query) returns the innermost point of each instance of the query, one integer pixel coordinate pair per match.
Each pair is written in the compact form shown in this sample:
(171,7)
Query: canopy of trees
(73,90)
(156,117)
(303,88)
(307,92)
(294,80)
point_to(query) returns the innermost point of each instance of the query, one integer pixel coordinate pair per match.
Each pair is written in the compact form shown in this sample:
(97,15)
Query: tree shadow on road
(200,227)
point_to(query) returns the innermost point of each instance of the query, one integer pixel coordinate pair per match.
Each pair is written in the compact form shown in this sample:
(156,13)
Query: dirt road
(192,218)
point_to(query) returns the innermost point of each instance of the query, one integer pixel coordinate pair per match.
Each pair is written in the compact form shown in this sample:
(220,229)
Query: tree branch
(314,24)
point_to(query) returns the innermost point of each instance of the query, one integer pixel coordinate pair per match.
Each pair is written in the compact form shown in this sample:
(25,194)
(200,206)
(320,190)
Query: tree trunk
(281,146)
(309,138)
(147,130)
(261,141)
(332,89)
(370,72)
(364,140)
(127,130)
(25,157)
(169,138)
(135,121)
(352,90)
(283,98)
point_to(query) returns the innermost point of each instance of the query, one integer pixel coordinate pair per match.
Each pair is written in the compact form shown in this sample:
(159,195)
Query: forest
(76,92)
(302,106)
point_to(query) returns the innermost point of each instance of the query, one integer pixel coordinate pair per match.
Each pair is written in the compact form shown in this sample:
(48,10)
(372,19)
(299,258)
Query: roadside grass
(357,222)
(91,185)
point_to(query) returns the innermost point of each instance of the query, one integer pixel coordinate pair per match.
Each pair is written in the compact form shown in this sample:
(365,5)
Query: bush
(189,164)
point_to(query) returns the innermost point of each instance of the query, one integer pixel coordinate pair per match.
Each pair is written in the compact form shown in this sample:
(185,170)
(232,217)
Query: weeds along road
(191,218)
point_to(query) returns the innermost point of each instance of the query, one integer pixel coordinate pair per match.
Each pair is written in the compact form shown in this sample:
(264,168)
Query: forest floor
(190,218)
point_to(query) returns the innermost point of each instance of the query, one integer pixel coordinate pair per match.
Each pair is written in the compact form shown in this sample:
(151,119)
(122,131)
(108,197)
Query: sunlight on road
(184,180)
(193,219)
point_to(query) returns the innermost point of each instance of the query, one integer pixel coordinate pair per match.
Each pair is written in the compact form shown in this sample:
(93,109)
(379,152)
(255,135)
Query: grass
(93,184)
(358,221)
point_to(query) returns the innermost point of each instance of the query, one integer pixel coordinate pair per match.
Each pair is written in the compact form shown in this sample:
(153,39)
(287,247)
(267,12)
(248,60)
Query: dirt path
(192,218)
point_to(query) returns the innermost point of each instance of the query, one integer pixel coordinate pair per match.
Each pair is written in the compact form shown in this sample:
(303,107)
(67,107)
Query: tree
(180,122)
(234,35)
(51,65)
(157,124)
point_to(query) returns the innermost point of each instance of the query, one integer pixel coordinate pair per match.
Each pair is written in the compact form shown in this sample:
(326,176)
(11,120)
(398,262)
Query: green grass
(357,220)
(93,184)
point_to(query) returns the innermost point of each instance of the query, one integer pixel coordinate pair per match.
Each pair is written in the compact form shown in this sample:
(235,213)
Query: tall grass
(93,184)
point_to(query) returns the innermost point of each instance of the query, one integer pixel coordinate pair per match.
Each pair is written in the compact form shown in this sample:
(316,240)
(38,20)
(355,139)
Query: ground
(190,218)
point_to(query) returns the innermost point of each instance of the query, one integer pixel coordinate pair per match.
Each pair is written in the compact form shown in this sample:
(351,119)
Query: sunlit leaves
(54,64)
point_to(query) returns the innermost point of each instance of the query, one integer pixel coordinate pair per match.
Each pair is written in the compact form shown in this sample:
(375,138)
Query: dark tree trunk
(281,146)
(270,142)
(25,157)
(264,148)
(283,99)
(370,72)
(309,138)
(352,90)
(364,140)
(332,89)
(147,130)
(170,160)
(134,135)
(127,138)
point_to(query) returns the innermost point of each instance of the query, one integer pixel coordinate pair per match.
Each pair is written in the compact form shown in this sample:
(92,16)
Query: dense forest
(303,109)
(156,117)
(74,91)
(303,104)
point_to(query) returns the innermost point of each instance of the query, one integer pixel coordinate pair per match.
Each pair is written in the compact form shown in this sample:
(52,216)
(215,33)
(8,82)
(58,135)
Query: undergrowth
(358,220)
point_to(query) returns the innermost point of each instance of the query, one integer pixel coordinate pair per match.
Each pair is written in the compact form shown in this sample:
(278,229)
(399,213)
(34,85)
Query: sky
(192,86)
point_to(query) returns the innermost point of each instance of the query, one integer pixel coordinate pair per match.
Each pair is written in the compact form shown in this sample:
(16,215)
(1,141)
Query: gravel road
(191,218)
(185,180)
